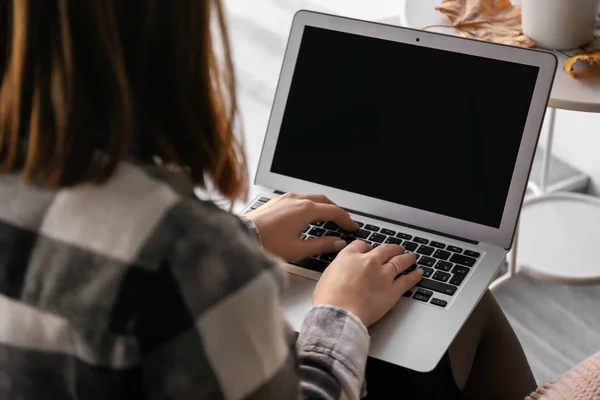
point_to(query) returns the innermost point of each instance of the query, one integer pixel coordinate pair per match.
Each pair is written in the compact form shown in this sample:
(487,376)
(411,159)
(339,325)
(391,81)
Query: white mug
(559,24)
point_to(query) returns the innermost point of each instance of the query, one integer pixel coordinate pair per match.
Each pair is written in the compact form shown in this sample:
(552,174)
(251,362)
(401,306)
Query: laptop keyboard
(445,267)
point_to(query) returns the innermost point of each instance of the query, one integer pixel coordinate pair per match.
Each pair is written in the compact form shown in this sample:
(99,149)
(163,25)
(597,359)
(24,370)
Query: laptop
(427,140)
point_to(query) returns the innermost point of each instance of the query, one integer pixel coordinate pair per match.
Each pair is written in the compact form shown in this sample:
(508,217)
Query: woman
(116,283)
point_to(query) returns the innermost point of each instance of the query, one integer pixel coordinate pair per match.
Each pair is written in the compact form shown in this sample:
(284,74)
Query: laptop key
(360,224)
(318,232)
(312,264)
(457,279)
(441,276)
(264,199)
(472,253)
(463,260)
(349,239)
(460,270)
(404,236)
(426,271)
(437,244)
(302,236)
(377,237)
(376,245)
(329,257)
(388,232)
(408,293)
(306,229)
(444,265)
(442,254)
(394,240)
(420,297)
(438,302)
(362,234)
(318,223)
(427,261)
(256,205)
(420,240)
(455,249)
(425,250)
(332,226)
(437,286)
(372,228)
(410,246)
(331,233)
(408,270)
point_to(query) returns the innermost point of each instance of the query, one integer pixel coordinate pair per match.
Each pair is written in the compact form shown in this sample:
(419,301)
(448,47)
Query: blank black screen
(430,129)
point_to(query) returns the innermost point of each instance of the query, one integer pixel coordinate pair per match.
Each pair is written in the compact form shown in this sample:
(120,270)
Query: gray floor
(558,326)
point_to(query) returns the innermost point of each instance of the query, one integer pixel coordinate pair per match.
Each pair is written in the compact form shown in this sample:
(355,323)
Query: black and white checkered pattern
(136,290)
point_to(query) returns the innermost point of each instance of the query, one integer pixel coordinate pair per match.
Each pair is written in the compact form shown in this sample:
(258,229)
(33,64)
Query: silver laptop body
(427,140)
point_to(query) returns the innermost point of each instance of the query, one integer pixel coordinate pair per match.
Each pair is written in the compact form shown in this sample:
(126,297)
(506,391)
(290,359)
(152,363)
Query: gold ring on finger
(395,266)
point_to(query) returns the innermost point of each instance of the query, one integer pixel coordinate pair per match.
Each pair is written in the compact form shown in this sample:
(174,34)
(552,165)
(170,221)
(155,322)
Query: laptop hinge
(391,221)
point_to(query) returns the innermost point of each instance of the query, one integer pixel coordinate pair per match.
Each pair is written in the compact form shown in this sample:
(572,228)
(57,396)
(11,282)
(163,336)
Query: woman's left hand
(281,221)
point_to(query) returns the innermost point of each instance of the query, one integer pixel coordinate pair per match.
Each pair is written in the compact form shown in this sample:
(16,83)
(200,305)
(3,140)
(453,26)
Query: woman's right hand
(362,280)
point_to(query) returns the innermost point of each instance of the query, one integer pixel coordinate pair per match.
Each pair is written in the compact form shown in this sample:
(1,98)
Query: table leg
(548,153)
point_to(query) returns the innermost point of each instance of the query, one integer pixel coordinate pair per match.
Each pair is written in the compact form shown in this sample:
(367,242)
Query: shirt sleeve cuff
(251,227)
(338,333)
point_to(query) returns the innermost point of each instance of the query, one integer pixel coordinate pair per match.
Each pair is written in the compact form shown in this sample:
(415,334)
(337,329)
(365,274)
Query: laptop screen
(426,128)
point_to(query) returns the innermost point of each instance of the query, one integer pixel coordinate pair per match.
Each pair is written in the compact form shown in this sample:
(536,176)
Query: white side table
(559,234)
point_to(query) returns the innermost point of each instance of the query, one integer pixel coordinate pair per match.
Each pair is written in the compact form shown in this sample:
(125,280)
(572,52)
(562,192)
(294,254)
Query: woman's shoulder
(144,217)
(139,222)
(136,215)
(156,238)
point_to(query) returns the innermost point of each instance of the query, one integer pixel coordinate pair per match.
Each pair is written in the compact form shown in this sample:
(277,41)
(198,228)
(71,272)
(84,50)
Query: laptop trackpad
(398,338)
(297,299)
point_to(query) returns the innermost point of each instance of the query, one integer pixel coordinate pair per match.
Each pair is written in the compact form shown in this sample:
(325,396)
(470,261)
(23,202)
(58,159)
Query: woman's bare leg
(487,359)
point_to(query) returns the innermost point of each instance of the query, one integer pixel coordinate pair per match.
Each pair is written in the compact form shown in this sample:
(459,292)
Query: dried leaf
(590,58)
(492,20)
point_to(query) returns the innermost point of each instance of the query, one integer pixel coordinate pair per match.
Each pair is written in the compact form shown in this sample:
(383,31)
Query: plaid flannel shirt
(136,290)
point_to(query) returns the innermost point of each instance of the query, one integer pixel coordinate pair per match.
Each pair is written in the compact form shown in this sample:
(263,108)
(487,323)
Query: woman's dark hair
(86,83)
